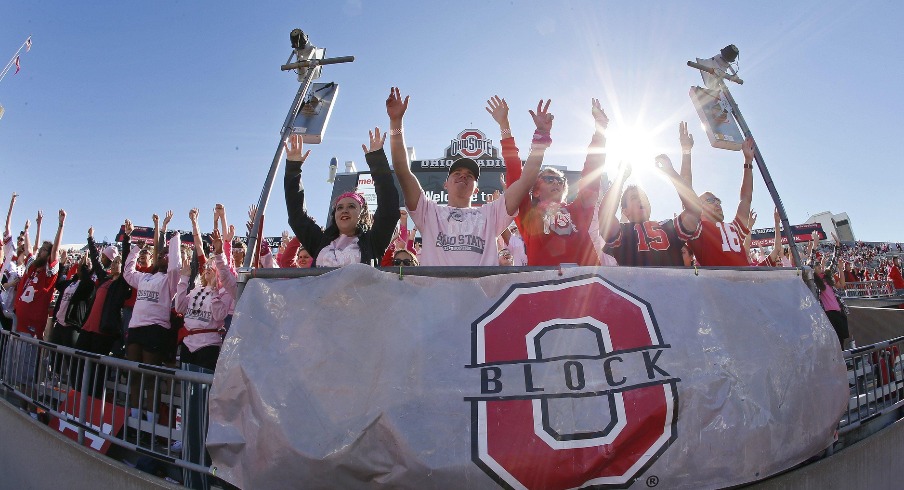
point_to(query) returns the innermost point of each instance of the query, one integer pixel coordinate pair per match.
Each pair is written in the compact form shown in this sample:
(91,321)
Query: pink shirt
(459,236)
(154,299)
(206,307)
(828,299)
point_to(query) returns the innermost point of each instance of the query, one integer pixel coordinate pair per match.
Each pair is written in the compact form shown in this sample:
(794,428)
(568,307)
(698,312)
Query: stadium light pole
(308,60)
(719,69)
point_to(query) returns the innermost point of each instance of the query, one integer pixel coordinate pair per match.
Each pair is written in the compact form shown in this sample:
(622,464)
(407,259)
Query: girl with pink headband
(351,237)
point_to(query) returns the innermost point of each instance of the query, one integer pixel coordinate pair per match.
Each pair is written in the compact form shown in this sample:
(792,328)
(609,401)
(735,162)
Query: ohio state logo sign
(572,388)
(471,143)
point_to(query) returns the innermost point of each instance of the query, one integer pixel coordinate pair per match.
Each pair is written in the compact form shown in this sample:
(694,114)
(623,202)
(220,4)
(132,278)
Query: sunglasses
(713,200)
(405,262)
(549,179)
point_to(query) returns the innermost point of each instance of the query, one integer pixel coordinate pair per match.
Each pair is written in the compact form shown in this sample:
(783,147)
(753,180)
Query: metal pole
(767,178)
(761,163)
(274,167)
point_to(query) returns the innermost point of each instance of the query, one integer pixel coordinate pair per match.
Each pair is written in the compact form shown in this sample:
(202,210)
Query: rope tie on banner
(400,273)
(696,270)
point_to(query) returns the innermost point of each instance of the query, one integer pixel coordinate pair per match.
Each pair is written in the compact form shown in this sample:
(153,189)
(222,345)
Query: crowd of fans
(164,300)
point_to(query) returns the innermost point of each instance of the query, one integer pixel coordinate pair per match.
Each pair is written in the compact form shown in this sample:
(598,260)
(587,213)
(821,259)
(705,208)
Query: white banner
(600,376)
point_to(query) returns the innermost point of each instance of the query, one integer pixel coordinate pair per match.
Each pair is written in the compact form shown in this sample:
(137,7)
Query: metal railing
(869,289)
(876,382)
(155,411)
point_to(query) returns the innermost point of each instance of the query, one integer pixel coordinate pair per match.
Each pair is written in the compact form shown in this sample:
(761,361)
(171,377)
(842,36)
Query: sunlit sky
(124,109)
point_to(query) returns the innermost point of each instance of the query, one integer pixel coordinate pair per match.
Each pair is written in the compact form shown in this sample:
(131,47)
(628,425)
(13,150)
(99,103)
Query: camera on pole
(712,106)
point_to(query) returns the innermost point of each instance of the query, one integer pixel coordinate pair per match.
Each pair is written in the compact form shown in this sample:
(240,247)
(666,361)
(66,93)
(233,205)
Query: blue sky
(123,109)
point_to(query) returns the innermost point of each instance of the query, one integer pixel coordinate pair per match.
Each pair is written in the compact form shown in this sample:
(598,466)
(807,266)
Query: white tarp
(600,376)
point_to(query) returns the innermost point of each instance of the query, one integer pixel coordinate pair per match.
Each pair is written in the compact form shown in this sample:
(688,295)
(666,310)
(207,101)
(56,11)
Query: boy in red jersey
(720,243)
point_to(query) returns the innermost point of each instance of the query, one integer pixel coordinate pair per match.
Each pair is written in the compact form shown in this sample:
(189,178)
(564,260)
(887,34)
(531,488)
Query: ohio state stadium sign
(470,143)
(572,388)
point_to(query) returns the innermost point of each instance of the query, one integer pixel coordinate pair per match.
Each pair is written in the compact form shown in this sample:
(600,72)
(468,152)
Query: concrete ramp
(34,456)
(874,462)
(871,325)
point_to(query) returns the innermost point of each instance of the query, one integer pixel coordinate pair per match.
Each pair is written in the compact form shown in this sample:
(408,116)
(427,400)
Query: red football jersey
(33,296)
(721,244)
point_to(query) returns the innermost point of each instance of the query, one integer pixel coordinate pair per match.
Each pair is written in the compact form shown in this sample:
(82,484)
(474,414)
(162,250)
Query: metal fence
(869,289)
(155,411)
(875,380)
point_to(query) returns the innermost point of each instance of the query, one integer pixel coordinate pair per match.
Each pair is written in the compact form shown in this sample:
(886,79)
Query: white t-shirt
(344,250)
(459,236)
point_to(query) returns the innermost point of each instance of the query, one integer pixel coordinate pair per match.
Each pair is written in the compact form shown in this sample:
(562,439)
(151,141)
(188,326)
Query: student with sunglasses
(721,243)
(555,231)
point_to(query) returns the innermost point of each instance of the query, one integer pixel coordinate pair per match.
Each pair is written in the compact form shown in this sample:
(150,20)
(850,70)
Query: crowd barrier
(85,396)
(869,289)
(876,382)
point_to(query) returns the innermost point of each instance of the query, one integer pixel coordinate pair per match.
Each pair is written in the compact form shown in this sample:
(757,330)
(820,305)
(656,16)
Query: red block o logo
(477,143)
(571,390)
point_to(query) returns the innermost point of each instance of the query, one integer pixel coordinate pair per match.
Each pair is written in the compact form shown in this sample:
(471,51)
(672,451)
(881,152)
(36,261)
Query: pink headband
(358,197)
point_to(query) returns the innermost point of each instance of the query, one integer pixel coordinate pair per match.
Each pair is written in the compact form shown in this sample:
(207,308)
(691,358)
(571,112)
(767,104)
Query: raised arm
(589,185)
(59,237)
(9,215)
(775,256)
(609,228)
(166,220)
(687,143)
(387,214)
(38,221)
(690,218)
(196,231)
(26,241)
(221,214)
(746,181)
(96,267)
(395,109)
(520,188)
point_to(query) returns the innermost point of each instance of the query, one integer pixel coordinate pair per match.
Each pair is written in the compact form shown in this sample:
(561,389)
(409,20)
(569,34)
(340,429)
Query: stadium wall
(34,456)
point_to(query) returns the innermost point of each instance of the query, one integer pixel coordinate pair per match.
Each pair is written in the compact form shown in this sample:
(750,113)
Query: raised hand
(217,241)
(62,217)
(40,217)
(128,228)
(686,139)
(492,197)
(395,106)
(285,235)
(664,164)
(91,232)
(294,147)
(599,115)
(376,141)
(156,219)
(252,211)
(748,149)
(498,108)
(167,218)
(27,224)
(230,233)
(193,215)
(542,118)
(751,219)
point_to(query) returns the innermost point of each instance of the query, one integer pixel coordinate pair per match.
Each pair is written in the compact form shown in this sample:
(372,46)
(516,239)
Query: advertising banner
(765,237)
(607,376)
(104,417)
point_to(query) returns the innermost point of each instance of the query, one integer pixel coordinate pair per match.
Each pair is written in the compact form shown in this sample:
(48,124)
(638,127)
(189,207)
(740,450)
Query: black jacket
(117,294)
(373,242)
